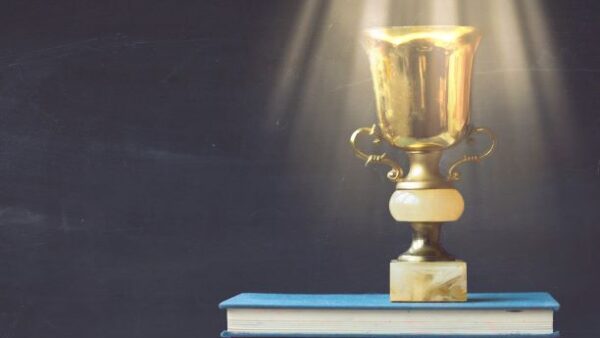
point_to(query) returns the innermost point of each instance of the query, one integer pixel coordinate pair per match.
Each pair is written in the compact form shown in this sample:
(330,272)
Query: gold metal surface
(422,83)
(453,174)
(421,76)
(393,175)
(426,245)
(424,172)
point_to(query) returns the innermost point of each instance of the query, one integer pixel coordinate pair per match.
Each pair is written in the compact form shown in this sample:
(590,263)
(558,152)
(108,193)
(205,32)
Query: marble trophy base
(428,281)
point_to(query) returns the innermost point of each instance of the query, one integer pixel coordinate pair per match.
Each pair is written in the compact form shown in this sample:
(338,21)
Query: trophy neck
(424,172)
(426,246)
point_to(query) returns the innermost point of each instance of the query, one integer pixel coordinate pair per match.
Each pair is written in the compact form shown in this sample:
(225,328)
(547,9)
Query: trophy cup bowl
(422,78)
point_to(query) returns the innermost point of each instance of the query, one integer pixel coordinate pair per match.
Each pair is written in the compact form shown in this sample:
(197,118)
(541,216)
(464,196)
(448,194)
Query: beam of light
(323,89)
(327,99)
(295,56)
(536,107)
(519,85)
(511,24)
(356,111)
(524,76)
(317,110)
(444,12)
(549,81)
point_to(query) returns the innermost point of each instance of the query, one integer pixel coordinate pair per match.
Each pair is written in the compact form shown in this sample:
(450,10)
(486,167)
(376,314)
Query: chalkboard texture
(158,157)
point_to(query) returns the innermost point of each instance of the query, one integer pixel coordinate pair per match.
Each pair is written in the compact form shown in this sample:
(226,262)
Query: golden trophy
(422,76)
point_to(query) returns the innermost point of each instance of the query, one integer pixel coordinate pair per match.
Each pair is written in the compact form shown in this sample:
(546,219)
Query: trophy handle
(393,175)
(453,174)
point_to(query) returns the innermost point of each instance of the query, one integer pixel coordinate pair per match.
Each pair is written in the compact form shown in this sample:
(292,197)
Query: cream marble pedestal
(428,281)
(425,272)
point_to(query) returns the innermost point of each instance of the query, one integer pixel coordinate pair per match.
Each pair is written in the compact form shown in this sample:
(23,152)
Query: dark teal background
(143,178)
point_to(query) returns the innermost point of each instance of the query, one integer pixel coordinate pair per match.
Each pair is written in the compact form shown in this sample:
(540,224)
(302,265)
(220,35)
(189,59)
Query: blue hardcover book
(527,314)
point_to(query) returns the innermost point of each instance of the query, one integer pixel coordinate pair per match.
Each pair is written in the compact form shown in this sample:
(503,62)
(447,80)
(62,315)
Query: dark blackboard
(158,157)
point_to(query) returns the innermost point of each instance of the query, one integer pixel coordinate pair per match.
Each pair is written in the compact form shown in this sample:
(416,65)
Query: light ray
(324,87)
(294,56)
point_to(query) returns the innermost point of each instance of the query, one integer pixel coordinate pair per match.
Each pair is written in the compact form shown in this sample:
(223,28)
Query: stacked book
(373,315)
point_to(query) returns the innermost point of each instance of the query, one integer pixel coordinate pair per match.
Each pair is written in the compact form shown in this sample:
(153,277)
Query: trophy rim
(397,35)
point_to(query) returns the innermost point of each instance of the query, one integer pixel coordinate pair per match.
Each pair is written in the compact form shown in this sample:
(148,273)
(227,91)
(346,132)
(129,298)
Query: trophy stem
(426,245)
(424,171)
